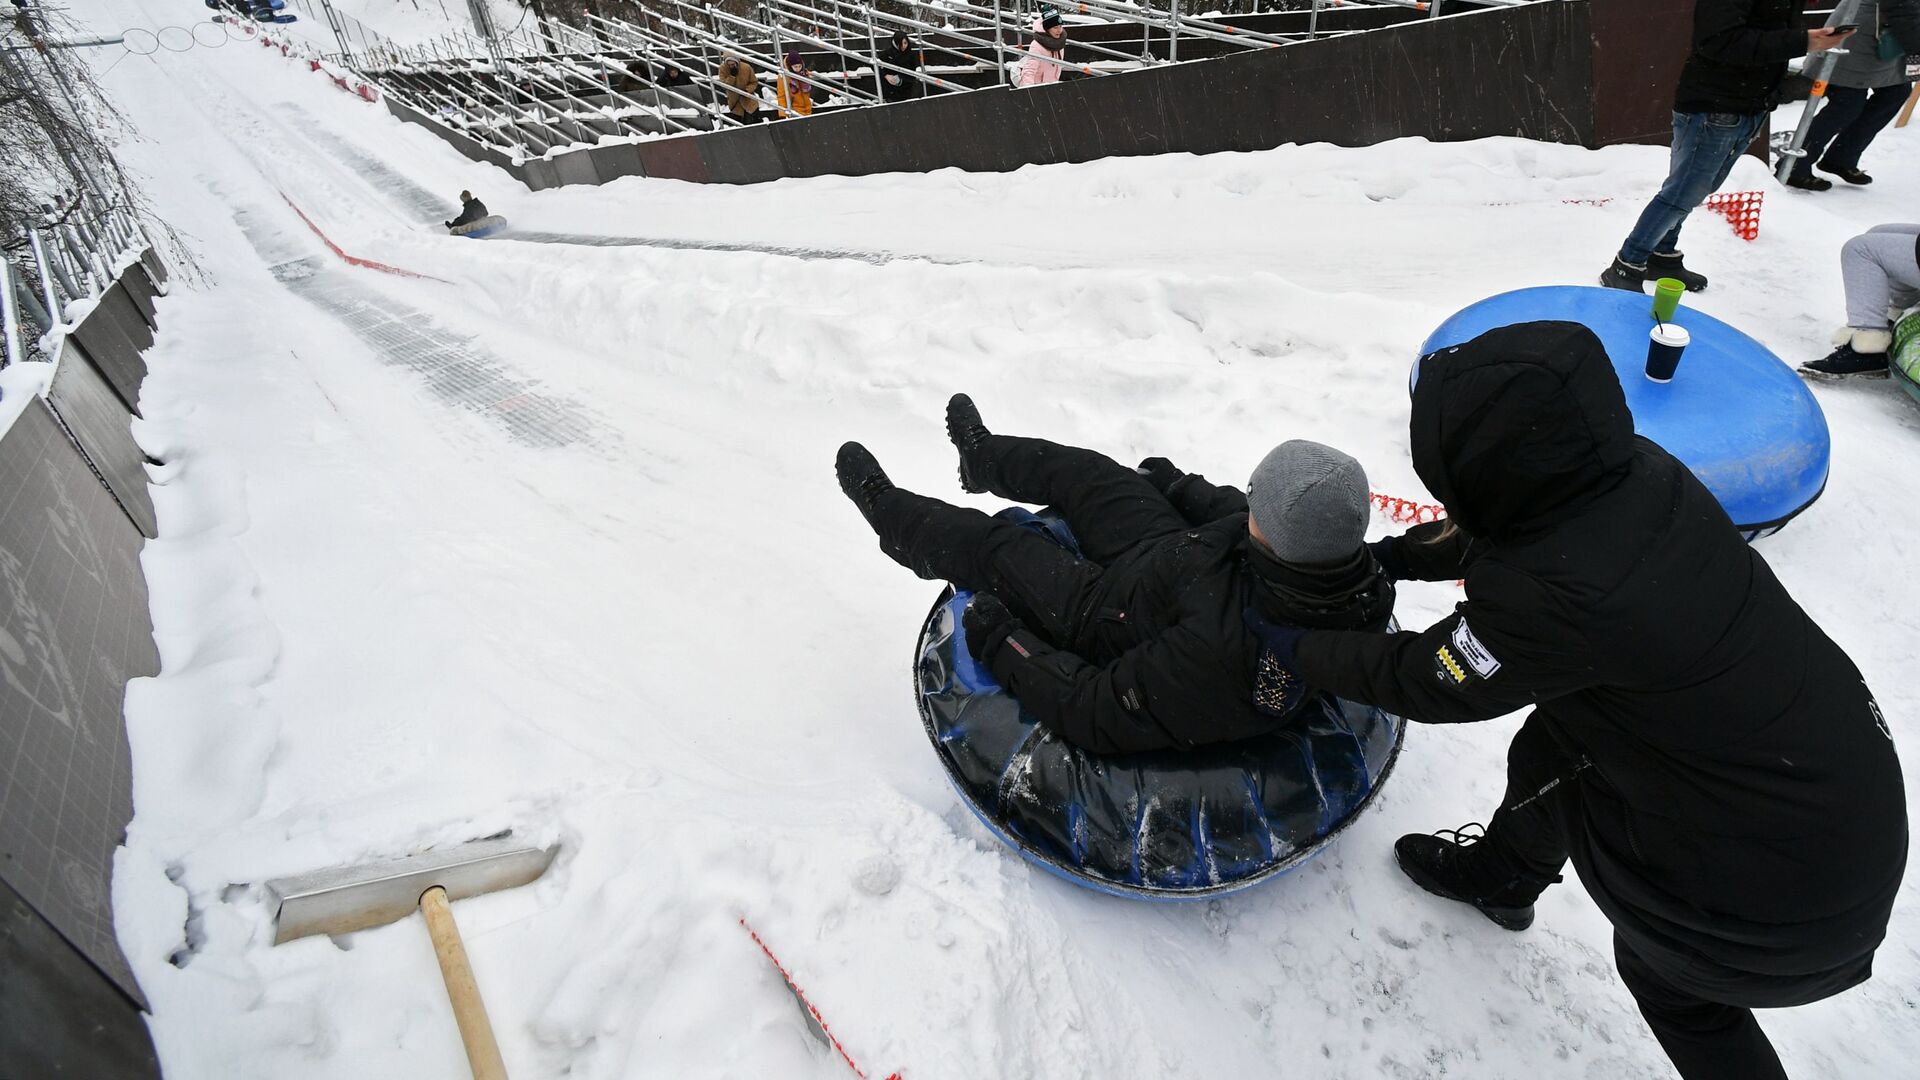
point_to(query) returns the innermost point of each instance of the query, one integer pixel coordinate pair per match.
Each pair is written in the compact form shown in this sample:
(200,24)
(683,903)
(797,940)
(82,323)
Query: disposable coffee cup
(1667,342)
(1666,298)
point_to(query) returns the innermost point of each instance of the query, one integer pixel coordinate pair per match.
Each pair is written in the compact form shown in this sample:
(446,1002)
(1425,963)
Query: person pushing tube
(1712,764)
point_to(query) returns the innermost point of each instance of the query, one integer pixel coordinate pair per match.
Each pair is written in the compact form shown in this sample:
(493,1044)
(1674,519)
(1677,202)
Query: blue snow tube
(1167,825)
(1738,416)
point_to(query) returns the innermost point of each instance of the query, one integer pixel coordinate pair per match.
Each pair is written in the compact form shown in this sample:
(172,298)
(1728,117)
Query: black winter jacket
(470,211)
(1163,656)
(1742,800)
(909,87)
(1740,54)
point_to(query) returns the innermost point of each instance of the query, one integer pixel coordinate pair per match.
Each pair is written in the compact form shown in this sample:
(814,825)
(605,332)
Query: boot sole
(1506,918)
(1829,376)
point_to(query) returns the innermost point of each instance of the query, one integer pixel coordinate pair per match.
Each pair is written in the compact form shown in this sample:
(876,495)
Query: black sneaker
(1808,182)
(1624,275)
(1673,264)
(1851,176)
(861,478)
(1446,865)
(1845,363)
(969,435)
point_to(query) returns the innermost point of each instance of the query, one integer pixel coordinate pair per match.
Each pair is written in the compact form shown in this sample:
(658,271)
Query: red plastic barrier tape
(1407,511)
(355,260)
(801,995)
(1741,209)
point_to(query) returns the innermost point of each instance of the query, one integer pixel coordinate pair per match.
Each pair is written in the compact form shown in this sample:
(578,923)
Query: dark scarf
(1055,45)
(1354,595)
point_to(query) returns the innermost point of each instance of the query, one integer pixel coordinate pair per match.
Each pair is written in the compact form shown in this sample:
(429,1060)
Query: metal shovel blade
(349,898)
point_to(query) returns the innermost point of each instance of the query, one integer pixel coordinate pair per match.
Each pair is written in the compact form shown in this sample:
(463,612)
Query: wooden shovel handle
(483,1054)
(1913,99)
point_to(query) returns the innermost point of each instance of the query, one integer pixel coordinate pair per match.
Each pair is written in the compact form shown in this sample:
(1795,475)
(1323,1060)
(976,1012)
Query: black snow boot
(1673,264)
(1624,275)
(861,478)
(1851,176)
(1452,865)
(969,437)
(1846,362)
(1808,182)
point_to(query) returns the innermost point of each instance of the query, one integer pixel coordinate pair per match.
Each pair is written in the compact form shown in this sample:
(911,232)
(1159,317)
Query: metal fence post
(999,42)
(46,277)
(1173,33)
(1818,69)
(9,320)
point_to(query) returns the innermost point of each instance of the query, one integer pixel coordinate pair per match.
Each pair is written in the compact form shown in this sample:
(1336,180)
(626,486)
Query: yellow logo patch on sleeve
(1446,668)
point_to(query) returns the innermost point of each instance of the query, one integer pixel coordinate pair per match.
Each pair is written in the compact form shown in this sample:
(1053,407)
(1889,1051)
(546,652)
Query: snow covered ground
(553,543)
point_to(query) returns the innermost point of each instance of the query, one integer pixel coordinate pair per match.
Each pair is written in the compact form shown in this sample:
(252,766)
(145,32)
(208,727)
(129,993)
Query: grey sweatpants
(1880,272)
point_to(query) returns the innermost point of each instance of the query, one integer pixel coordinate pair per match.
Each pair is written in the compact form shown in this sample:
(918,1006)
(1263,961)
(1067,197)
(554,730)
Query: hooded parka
(1739,798)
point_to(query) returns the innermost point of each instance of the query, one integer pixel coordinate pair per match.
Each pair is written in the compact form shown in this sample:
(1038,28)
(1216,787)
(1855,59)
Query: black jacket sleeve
(1723,32)
(1431,552)
(1145,700)
(473,211)
(1507,647)
(1200,501)
(1901,18)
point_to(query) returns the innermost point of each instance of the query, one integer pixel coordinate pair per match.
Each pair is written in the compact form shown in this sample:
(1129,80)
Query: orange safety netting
(1407,511)
(1741,209)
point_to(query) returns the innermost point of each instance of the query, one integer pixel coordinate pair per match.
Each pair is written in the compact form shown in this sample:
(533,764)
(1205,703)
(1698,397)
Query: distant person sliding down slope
(473,219)
(1152,638)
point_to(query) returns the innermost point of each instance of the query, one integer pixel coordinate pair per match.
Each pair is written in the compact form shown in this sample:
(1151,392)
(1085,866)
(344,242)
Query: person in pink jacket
(1049,42)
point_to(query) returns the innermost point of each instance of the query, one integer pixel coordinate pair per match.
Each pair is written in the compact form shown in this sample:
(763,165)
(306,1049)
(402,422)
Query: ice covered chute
(1168,825)
(1734,412)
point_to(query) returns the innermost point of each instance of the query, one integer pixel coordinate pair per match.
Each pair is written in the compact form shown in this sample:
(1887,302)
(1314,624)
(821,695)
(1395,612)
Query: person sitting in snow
(1881,270)
(1152,637)
(471,210)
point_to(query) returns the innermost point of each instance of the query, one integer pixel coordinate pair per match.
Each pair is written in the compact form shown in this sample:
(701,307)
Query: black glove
(987,622)
(1161,473)
(1386,552)
(448,224)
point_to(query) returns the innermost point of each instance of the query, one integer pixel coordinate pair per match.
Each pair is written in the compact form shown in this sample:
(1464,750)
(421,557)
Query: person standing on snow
(1866,89)
(1712,763)
(471,210)
(1151,637)
(1049,44)
(1881,268)
(1728,87)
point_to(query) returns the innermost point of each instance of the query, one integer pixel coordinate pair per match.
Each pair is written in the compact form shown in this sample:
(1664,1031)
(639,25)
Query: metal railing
(70,259)
(531,90)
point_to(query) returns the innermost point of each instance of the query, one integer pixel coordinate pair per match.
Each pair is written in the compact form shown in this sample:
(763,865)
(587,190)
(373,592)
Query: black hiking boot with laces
(969,437)
(1449,864)
(861,478)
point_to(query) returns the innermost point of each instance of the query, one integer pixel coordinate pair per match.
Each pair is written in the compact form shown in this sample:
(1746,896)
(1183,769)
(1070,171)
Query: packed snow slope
(550,540)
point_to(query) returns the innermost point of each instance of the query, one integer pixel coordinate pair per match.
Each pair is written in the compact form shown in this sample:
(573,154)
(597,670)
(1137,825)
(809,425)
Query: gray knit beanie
(1310,502)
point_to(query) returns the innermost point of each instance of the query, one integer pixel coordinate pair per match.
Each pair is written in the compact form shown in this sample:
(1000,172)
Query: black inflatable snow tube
(1169,825)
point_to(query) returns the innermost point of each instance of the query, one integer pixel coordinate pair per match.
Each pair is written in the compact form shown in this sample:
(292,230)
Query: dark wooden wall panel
(73,604)
(99,422)
(1639,47)
(59,1016)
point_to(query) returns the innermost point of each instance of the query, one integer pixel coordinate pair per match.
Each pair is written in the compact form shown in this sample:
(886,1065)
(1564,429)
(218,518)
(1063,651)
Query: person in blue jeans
(1728,86)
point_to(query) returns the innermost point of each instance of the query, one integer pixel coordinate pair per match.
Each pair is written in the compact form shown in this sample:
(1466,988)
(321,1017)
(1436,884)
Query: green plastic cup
(1666,298)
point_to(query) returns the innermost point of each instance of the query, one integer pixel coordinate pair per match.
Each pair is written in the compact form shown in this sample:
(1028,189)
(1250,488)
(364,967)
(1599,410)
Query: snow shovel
(345,899)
